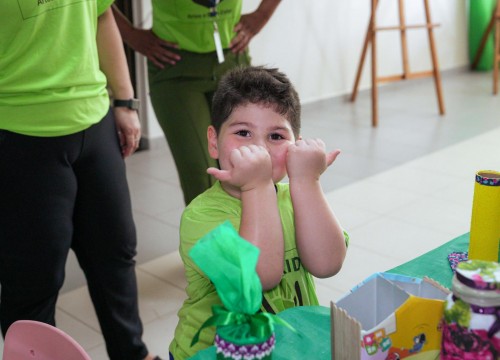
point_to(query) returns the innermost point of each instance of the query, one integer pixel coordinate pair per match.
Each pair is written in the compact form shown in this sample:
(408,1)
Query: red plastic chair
(33,340)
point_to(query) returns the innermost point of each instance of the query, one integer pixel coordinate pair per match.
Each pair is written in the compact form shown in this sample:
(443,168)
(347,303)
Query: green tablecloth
(313,322)
(434,264)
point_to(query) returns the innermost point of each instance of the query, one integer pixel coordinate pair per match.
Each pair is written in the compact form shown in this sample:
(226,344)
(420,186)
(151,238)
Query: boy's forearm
(319,236)
(261,225)
(112,59)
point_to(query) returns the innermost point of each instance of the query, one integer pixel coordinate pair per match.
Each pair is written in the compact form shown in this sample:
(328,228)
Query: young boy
(255,138)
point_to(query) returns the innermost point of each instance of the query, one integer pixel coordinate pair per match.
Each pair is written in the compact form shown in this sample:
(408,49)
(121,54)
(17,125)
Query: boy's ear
(212,142)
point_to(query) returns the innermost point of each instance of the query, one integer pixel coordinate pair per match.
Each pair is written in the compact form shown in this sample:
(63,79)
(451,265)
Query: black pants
(69,192)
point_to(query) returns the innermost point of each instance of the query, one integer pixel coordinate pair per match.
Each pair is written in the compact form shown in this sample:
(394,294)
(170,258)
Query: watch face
(134,104)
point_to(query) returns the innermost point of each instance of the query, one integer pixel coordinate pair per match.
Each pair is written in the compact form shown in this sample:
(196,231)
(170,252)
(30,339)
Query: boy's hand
(249,167)
(307,159)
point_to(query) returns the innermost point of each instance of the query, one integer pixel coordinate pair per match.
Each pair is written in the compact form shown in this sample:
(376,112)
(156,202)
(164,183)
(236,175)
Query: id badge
(218,44)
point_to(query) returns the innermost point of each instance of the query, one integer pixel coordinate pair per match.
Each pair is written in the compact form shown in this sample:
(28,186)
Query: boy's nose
(260,142)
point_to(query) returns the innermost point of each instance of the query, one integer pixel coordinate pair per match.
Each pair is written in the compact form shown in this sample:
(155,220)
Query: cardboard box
(389,317)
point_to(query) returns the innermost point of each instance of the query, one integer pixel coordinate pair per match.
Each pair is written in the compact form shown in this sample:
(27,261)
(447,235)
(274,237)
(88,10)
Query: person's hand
(246,29)
(249,167)
(129,129)
(154,48)
(307,159)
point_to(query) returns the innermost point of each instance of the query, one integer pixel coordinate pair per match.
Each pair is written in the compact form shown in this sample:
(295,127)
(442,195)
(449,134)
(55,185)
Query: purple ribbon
(475,285)
(495,327)
(486,310)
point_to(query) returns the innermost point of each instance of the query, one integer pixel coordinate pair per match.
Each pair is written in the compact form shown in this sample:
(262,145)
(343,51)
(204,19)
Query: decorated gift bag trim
(242,328)
(244,352)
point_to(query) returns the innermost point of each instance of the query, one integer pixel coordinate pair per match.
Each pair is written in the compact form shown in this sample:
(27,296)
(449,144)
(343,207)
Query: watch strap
(132,104)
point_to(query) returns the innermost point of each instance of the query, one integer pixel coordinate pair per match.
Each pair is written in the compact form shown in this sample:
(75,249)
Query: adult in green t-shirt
(62,174)
(184,68)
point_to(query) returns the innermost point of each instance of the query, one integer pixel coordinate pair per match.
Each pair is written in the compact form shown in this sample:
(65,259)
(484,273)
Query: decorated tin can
(471,326)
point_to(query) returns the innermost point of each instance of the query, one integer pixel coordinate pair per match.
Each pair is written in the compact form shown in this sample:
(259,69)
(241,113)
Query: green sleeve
(103,5)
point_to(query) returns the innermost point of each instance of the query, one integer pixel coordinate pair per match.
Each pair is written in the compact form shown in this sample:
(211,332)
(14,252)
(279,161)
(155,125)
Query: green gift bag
(241,331)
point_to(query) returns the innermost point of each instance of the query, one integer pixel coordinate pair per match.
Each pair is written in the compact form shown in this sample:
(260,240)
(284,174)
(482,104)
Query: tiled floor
(400,190)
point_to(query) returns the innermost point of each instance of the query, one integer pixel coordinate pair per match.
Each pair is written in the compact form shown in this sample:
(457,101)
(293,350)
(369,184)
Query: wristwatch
(132,104)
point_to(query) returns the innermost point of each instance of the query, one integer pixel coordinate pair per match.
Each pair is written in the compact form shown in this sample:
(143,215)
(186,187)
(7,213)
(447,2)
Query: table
(434,263)
(313,322)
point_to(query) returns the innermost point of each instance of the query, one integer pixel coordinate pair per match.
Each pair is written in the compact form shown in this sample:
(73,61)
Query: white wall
(318,43)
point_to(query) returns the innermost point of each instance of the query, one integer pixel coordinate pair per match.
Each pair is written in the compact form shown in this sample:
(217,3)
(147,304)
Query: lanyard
(213,7)
(218,43)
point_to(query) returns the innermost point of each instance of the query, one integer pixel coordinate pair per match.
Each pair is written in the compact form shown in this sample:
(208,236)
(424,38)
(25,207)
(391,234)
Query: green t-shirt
(188,23)
(206,212)
(50,82)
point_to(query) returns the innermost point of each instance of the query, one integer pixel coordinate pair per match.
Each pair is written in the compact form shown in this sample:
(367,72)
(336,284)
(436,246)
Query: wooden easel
(370,39)
(494,22)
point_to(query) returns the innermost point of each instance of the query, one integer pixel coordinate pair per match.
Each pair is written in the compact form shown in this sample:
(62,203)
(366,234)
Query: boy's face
(253,124)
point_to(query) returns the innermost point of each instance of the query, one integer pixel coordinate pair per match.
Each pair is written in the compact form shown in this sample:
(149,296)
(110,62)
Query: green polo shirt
(189,24)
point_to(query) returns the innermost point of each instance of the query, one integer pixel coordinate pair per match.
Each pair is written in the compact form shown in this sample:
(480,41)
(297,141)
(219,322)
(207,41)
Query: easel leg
(435,65)
(361,62)
(496,56)
(374,66)
(404,43)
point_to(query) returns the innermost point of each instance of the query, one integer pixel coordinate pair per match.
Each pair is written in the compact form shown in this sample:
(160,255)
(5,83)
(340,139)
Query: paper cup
(485,220)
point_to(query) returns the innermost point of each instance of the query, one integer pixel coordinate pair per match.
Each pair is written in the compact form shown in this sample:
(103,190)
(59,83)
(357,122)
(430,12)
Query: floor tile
(401,239)
(157,198)
(327,294)
(351,217)
(87,337)
(154,237)
(370,196)
(410,178)
(436,214)
(157,298)
(168,268)
(159,333)
(358,265)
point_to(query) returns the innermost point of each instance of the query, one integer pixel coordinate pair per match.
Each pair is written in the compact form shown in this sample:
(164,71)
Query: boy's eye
(244,133)
(276,137)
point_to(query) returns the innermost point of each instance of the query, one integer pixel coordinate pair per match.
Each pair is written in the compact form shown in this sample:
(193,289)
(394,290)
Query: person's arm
(320,238)
(113,64)
(145,41)
(250,180)
(251,24)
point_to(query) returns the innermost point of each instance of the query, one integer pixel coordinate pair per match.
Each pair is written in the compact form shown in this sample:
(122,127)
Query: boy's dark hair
(256,85)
